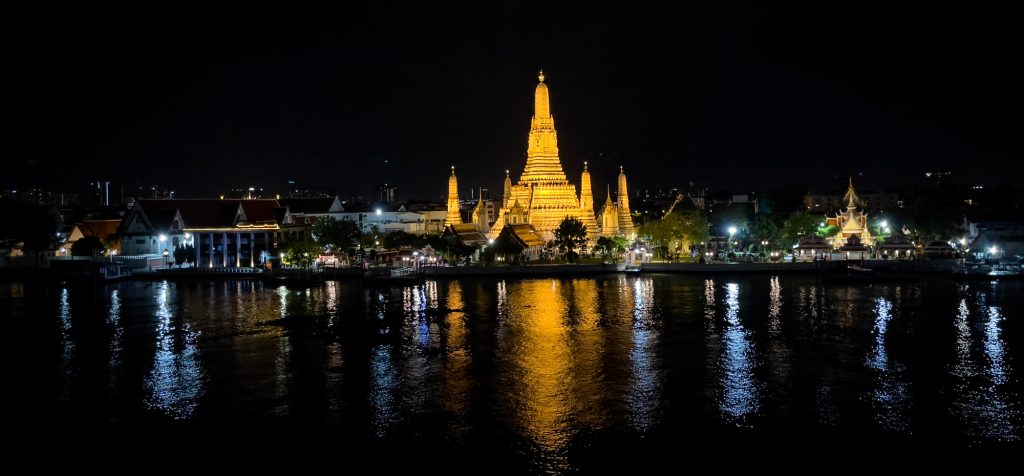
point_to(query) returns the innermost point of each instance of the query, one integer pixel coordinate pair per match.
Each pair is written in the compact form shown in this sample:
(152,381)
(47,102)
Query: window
(140,241)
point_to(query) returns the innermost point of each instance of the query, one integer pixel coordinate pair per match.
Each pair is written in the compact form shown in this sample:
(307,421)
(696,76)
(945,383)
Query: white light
(821,224)
(188,235)
(163,237)
(885,223)
(963,241)
(378,211)
(490,241)
(993,250)
(732,230)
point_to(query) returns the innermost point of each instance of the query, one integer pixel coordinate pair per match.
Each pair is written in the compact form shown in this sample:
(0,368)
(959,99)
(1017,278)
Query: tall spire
(586,193)
(541,103)
(851,197)
(508,190)
(453,217)
(480,213)
(625,216)
(542,162)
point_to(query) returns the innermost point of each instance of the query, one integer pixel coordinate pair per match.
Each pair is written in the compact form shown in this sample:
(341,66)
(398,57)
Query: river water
(541,374)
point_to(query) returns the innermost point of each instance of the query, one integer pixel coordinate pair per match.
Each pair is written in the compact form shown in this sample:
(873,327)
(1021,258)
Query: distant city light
(378,211)
(963,241)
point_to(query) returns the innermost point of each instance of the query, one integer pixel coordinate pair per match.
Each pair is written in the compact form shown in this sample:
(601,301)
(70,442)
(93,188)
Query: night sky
(206,98)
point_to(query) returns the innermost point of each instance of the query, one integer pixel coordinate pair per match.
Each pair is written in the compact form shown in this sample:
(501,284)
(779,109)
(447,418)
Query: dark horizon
(207,99)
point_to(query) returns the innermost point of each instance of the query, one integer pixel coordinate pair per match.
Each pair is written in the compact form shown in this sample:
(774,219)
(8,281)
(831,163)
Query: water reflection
(456,380)
(891,395)
(982,396)
(739,390)
(175,382)
(645,385)
(535,342)
(544,367)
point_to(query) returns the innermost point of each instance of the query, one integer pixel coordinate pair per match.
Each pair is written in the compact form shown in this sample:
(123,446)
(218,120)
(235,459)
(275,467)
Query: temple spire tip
(540,76)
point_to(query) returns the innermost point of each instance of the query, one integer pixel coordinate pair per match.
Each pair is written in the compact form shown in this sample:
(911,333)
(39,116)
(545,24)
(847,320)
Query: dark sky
(207,98)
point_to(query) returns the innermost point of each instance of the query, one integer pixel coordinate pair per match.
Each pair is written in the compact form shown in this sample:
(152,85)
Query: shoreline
(869,270)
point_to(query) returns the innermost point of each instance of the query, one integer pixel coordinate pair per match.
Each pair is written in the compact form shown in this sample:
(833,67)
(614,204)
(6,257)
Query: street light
(732,231)
(166,254)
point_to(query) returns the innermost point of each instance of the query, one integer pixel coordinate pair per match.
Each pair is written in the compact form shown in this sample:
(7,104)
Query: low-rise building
(100,229)
(224,233)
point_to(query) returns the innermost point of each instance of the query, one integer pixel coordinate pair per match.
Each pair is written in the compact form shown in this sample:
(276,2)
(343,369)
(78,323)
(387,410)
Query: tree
(87,246)
(33,225)
(605,246)
(400,239)
(570,235)
(762,227)
(330,232)
(677,232)
(180,252)
(798,225)
(300,253)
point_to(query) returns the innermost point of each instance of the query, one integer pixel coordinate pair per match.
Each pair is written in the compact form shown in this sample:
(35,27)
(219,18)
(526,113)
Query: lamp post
(166,254)
(732,231)
(764,249)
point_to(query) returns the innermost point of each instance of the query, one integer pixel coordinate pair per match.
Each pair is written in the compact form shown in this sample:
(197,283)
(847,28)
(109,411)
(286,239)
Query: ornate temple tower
(609,216)
(480,214)
(543,192)
(851,222)
(586,193)
(625,215)
(453,217)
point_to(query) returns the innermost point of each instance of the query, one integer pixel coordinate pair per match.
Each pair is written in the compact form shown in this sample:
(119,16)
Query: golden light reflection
(540,361)
(456,381)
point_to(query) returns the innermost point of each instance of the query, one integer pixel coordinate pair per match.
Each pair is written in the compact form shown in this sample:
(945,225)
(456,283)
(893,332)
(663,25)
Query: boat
(393,275)
(112,271)
(989,271)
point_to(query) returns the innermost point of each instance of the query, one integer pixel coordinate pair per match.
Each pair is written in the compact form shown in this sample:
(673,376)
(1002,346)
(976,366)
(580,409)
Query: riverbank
(881,269)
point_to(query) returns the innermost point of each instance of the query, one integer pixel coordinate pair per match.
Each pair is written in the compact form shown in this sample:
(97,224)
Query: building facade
(224,233)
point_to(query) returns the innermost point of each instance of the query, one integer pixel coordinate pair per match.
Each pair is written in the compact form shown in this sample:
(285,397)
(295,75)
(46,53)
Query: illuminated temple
(851,222)
(543,196)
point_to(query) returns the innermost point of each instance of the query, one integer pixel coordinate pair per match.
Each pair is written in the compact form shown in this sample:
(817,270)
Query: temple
(616,219)
(543,196)
(453,217)
(851,222)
